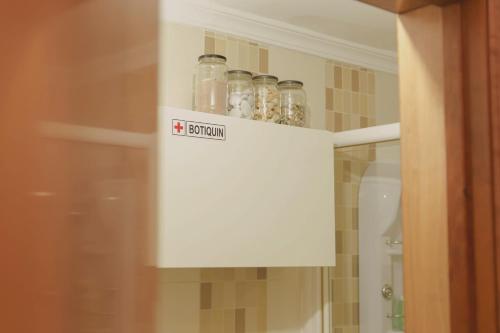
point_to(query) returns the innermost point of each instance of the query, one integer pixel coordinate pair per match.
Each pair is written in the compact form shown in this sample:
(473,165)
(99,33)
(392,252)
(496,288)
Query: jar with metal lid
(210,91)
(267,99)
(240,94)
(293,102)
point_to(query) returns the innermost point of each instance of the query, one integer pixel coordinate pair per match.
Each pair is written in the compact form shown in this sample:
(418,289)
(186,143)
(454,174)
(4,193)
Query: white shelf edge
(89,134)
(373,134)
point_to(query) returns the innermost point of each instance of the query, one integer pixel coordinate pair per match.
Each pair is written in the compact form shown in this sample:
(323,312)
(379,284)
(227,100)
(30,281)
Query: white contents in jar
(267,106)
(211,96)
(241,103)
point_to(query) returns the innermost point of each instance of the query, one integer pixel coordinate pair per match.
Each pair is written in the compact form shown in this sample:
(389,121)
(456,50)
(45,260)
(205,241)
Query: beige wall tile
(178,308)
(261,319)
(329,75)
(251,320)
(370,106)
(240,274)
(330,120)
(223,295)
(363,105)
(346,78)
(209,45)
(348,313)
(363,122)
(253,58)
(338,100)
(205,321)
(355,103)
(363,82)
(220,46)
(232,53)
(229,321)
(347,102)
(347,269)
(263,61)
(338,314)
(247,293)
(371,83)
(243,55)
(348,290)
(217,321)
(338,291)
(355,121)
(251,273)
(169,275)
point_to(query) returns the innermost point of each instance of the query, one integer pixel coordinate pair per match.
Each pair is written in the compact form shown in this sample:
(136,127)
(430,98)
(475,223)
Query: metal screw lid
(203,56)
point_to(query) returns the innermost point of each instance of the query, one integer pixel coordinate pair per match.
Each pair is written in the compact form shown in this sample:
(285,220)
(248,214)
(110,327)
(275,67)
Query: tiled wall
(342,97)
(233,300)
(350,104)
(241,54)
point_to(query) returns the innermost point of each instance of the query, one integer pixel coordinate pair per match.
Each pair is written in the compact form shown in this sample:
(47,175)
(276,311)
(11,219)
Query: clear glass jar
(293,102)
(210,91)
(267,99)
(240,99)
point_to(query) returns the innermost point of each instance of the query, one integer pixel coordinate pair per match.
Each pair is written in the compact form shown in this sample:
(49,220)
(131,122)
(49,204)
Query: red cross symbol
(178,127)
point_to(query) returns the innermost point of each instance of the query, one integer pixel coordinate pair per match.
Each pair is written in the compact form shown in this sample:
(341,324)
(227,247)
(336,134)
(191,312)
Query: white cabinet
(241,193)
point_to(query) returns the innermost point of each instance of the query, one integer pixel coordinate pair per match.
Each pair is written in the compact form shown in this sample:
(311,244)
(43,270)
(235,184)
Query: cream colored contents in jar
(211,96)
(267,105)
(295,114)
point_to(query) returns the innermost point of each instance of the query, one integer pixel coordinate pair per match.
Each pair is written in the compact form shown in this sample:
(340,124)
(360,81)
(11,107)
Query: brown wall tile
(230,321)
(355,80)
(329,98)
(240,321)
(337,77)
(261,273)
(205,295)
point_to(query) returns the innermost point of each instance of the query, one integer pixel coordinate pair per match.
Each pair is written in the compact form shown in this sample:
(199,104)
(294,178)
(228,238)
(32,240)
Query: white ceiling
(346,19)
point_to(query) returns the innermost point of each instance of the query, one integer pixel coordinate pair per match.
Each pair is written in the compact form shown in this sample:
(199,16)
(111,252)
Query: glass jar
(240,99)
(210,91)
(293,102)
(267,99)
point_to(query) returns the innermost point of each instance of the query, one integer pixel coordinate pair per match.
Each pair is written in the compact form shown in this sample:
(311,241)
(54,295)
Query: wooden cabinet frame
(450,141)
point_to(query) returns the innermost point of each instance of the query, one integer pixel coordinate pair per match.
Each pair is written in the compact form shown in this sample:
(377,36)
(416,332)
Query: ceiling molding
(277,33)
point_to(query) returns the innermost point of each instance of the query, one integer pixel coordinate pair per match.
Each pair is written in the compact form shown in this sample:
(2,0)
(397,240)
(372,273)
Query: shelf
(242,193)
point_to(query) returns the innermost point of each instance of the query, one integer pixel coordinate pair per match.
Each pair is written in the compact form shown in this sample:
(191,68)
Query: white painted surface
(262,198)
(228,19)
(367,135)
(379,219)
